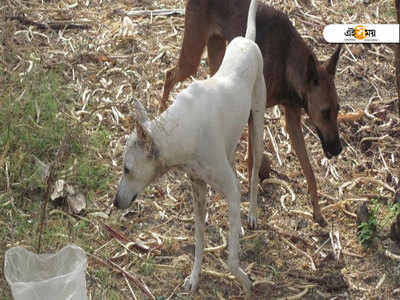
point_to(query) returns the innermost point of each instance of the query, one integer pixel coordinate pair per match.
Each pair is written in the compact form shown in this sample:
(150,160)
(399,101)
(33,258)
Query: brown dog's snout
(335,147)
(331,147)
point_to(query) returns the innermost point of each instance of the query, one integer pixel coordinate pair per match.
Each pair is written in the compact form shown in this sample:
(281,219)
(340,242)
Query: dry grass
(101,66)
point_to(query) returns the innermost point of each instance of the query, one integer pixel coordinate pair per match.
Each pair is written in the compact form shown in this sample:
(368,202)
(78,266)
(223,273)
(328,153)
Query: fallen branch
(391,255)
(298,296)
(262,282)
(51,25)
(380,282)
(352,254)
(217,248)
(115,234)
(275,146)
(283,183)
(350,184)
(301,213)
(293,237)
(130,288)
(137,281)
(147,12)
(302,252)
(339,204)
(335,242)
(174,291)
(218,274)
(139,244)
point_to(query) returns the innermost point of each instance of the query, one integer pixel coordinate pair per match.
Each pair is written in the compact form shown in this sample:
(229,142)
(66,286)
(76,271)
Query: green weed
(367,230)
(147,268)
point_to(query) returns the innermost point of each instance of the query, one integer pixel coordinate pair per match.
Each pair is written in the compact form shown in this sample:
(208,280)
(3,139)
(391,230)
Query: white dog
(199,134)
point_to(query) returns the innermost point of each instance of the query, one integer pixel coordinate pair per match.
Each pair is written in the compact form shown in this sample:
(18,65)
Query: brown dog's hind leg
(194,41)
(216,50)
(265,168)
(292,115)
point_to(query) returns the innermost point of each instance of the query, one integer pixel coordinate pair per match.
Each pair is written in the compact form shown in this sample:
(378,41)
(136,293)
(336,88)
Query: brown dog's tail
(251,21)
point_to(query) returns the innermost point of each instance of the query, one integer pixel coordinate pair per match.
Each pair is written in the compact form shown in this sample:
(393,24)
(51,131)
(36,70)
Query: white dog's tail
(251,21)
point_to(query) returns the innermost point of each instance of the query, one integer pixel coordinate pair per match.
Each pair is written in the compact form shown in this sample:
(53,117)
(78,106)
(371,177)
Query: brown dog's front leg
(293,127)
(194,41)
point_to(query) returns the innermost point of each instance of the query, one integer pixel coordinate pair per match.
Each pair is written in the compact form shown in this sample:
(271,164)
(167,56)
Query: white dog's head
(141,163)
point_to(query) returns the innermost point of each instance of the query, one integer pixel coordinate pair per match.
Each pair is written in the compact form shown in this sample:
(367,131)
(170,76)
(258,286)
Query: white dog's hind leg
(199,188)
(256,121)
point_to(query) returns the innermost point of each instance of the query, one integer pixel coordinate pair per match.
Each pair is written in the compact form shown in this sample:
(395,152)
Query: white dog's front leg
(199,188)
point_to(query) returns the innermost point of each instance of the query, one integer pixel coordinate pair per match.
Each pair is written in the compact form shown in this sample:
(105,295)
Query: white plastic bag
(56,276)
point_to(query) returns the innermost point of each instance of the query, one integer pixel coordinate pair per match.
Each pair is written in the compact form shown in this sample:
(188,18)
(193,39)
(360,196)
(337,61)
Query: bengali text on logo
(362,33)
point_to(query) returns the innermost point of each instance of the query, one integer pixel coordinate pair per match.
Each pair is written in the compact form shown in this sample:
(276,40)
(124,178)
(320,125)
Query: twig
(339,204)
(293,237)
(174,291)
(322,246)
(355,181)
(336,246)
(302,252)
(218,274)
(262,282)
(353,254)
(380,282)
(217,248)
(366,110)
(392,255)
(275,146)
(285,184)
(155,12)
(130,288)
(333,199)
(300,212)
(298,296)
(139,282)
(51,25)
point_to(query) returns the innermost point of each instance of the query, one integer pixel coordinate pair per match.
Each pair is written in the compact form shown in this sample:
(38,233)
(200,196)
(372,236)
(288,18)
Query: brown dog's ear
(332,62)
(312,72)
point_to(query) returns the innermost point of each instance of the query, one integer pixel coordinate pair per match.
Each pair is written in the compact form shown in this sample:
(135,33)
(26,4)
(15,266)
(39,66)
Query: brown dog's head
(321,102)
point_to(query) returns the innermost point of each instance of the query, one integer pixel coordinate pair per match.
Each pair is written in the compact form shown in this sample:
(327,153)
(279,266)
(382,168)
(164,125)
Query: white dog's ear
(140,117)
(140,112)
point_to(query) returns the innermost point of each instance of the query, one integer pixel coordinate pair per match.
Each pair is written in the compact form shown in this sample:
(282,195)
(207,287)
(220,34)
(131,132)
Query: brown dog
(293,76)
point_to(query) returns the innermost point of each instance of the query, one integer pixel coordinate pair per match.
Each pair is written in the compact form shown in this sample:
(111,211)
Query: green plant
(367,230)
(147,268)
(273,270)
(394,211)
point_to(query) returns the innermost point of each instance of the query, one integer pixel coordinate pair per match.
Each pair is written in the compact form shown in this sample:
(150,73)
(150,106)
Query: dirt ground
(288,256)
